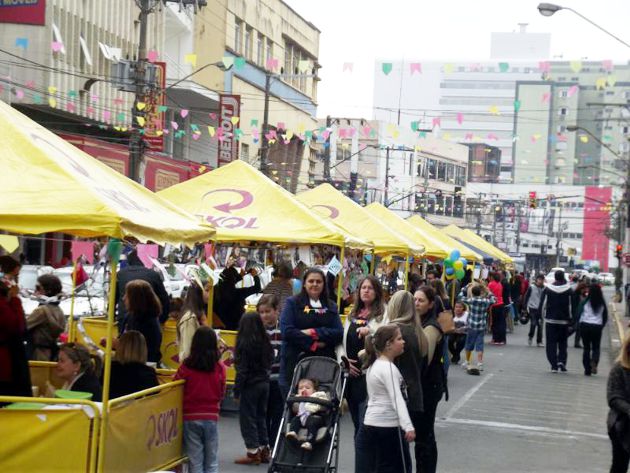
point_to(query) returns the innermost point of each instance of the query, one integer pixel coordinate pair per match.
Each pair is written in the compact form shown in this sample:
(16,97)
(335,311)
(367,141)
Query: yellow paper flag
(52,89)
(448,68)
(141,121)
(141,105)
(600,83)
(612,80)
(494,110)
(52,102)
(191,59)
(584,139)
(234,120)
(9,243)
(576,66)
(211,131)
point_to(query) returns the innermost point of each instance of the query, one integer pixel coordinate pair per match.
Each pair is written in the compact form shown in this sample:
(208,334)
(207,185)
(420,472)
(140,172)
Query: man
(136,270)
(532,303)
(556,302)
(431,275)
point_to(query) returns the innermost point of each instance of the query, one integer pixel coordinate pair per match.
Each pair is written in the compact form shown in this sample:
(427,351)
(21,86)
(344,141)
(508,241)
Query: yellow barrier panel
(169,348)
(51,440)
(229,338)
(90,331)
(43,372)
(144,430)
(165,376)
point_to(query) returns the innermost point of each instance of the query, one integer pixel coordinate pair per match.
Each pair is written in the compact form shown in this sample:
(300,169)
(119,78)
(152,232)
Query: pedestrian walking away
(478,299)
(618,395)
(531,302)
(593,315)
(497,311)
(555,305)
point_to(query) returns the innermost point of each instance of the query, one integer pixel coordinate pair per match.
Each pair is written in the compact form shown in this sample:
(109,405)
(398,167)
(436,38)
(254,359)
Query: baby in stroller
(308,415)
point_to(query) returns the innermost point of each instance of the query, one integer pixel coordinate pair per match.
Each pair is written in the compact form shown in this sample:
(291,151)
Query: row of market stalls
(48,185)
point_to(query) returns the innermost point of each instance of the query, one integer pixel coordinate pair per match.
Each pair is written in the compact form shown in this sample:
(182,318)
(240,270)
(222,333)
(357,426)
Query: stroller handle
(312,400)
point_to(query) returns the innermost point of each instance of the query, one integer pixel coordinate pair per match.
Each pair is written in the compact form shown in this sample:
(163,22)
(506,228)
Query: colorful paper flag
(415,67)
(386,67)
(191,59)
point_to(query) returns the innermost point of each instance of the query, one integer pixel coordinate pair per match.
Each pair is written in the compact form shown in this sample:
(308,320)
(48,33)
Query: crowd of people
(394,346)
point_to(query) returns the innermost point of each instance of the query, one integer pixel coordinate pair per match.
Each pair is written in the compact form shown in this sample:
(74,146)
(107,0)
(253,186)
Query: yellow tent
(446,241)
(355,219)
(432,246)
(244,205)
(475,240)
(48,185)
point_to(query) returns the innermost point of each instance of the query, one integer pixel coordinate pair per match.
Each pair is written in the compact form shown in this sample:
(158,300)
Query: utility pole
(478,226)
(559,237)
(494,223)
(327,151)
(386,193)
(504,222)
(264,148)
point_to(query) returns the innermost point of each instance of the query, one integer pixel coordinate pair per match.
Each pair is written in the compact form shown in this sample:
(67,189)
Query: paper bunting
(234,120)
(70,107)
(448,68)
(141,106)
(612,80)
(494,110)
(517,105)
(545,97)
(572,90)
(183,113)
(191,59)
(607,65)
(9,242)
(600,83)
(544,66)
(52,89)
(253,122)
(584,138)
(52,102)
(437,121)
(504,67)
(141,121)
(174,125)
(460,117)
(271,63)
(90,110)
(57,46)
(239,63)
(21,43)
(19,93)
(347,67)
(211,131)
(415,67)
(120,117)
(386,67)
(281,126)
(106,115)
(152,55)
(162,108)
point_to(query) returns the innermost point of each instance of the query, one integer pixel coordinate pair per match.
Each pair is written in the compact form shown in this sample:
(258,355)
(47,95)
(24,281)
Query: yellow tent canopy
(48,185)
(433,247)
(355,219)
(245,205)
(475,240)
(446,241)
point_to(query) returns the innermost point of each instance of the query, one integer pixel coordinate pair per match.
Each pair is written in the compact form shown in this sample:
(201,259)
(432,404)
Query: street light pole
(265,127)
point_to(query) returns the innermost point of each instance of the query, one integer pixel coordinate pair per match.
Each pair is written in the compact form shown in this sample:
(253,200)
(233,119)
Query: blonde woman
(130,372)
(619,415)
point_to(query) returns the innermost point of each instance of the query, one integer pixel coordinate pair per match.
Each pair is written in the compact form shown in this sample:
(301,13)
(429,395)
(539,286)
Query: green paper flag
(72,94)
(387,67)
(239,62)
(162,108)
(120,117)
(414,126)
(253,122)
(37,99)
(114,248)
(517,105)
(504,66)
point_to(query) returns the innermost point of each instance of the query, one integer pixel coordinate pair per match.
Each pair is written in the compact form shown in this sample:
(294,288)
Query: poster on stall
(334,266)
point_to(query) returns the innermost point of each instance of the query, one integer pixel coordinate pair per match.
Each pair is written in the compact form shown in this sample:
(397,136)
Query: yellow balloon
(458,265)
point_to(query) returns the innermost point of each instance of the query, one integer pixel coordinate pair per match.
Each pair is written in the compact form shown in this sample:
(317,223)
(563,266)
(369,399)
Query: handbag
(445,319)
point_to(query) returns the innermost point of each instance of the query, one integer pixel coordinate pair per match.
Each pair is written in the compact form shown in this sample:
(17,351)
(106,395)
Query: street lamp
(548,9)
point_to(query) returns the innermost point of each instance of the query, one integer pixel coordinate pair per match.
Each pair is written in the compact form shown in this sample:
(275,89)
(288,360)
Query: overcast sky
(359,32)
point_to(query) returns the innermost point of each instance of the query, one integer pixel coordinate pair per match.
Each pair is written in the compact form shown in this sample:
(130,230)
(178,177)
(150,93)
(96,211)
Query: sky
(363,31)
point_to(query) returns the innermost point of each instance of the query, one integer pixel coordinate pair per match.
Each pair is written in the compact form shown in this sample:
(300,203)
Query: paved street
(517,416)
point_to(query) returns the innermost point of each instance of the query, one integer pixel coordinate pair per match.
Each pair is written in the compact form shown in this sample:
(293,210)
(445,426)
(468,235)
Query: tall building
(559,115)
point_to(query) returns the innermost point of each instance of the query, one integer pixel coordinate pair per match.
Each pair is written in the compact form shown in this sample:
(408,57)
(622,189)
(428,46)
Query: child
(457,338)
(269,309)
(205,387)
(379,445)
(478,301)
(253,356)
(306,413)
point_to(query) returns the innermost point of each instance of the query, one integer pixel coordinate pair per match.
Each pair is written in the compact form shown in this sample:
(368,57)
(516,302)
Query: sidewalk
(618,323)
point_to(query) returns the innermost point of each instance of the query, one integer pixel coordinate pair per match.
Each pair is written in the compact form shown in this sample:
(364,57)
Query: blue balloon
(463,260)
(455,254)
(297,286)
(450,271)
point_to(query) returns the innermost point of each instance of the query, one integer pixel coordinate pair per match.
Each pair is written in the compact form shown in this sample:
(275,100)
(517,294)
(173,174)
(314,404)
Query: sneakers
(265,454)
(465,365)
(530,341)
(593,367)
(307,446)
(292,435)
(562,367)
(249,459)
(554,370)
(540,344)
(480,366)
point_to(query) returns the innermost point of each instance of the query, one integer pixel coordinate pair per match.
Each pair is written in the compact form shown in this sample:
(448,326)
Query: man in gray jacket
(531,304)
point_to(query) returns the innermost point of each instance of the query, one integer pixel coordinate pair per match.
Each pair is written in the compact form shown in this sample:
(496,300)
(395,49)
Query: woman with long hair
(310,325)
(130,372)
(80,370)
(368,314)
(191,316)
(433,379)
(592,316)
(47,321)
(497,311)
(143,312)
(618,395)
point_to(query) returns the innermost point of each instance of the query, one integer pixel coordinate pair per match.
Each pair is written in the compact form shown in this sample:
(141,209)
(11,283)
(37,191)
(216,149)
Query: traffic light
(532,200)
(619,251)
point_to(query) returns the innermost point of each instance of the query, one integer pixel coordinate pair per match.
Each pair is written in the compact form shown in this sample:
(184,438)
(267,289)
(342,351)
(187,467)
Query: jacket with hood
(556,302)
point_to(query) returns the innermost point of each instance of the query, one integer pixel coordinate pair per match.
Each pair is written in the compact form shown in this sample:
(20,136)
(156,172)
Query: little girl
(269,309)
(205,387)
(457,338)
(379,443)
(253,356)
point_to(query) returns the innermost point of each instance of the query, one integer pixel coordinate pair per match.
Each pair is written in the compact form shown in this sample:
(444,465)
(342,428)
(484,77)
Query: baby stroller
(289,457)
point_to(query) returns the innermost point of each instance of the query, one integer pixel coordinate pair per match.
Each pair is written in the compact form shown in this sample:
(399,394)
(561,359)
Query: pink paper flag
(348,66)
(19,93)
(281,126)
(152,55)
(572,90)
(94,98)
(544,66)
(343,133)
(183,112)
(90,110)
(366,131)
(437,121)
(545,97)
(325,134)
(70,107)
(492,136)
(351,131)
(415,67)
(30,84)
(607,64)
(213,116)
(196,136)
(146,252)
(82,248)
(174,125)
(469,136)
(57,46)
(460,117)
(272,63)
(107,115)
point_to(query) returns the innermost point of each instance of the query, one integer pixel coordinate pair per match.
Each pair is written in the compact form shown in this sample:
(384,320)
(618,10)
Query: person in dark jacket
(592,316)
(531,303)
(580,293)
(618,395)
(130,372)
(133,271)
(143,311)
(555,305)
(253,357)
(230,300)
(80,370)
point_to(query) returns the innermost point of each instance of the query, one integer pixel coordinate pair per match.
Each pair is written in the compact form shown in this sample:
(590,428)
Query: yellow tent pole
(373,263)
(210,287)
(453,293)
(340,281)
(71,328)
(407,271)
(108,364)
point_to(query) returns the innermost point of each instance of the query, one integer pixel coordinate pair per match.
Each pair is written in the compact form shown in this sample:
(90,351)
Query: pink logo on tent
(231,221)
(227,207)
(334,213)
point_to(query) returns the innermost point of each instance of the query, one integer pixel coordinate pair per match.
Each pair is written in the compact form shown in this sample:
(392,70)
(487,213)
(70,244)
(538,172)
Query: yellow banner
(145,434)
(44,440)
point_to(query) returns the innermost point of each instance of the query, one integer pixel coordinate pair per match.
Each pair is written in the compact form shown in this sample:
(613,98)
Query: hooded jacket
(556,302)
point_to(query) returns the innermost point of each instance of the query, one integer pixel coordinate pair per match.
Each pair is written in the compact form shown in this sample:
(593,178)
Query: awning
(447,242)
(470,237)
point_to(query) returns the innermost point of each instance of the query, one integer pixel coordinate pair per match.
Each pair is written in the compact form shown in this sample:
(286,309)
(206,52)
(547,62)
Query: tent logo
(244,200)
(334,212)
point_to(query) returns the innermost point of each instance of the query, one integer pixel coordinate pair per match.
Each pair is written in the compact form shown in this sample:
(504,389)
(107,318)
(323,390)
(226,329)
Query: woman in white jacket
(367,315)
(193,316)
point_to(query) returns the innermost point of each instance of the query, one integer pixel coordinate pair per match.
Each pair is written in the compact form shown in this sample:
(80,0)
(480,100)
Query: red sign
(229,107)
(27,12)
(595,243)
(154,126)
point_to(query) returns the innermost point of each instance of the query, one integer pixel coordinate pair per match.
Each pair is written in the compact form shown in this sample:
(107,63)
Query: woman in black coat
(130,372)
(143,314)
(619,415)
(79,369)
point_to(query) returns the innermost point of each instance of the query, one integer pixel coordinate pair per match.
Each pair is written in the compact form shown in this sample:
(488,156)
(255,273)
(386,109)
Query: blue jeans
(201,445)
(474,340)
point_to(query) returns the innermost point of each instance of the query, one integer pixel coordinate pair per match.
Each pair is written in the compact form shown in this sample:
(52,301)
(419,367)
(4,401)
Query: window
(448,206)
(450,173)
(441,174)
(269,49)
(460,176)
(432,165)
(238,36)
(288,54)
(563,111)
(563,94)
(245,152)
(260,47)
(249,33)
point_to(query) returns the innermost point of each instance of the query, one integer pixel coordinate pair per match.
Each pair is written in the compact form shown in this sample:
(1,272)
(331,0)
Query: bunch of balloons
(455,266)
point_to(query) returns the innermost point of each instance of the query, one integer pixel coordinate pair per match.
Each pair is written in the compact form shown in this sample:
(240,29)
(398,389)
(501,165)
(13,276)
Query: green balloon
(448,263)
(459,274)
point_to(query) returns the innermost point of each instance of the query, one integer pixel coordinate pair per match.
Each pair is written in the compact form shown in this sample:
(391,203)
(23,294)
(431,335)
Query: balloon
(458,265)
(448,263)
(455,254)
(452,276)
(464,262)
(450,271)
(297,286)
(459,274)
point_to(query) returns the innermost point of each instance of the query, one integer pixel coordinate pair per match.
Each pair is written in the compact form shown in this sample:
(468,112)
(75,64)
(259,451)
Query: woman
(413,361)
(367,315)
(310,326)
(497,311)
(230,300)
(79,370)
(143,312)
(592,316)
(15,378)
(619,415)
(579,295)
(281,285)
(130,372)
(47,321)
(193,315)
(433,379)
(443,300)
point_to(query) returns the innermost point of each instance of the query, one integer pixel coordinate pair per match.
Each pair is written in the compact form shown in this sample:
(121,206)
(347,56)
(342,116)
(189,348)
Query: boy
(306,413)
(478,301)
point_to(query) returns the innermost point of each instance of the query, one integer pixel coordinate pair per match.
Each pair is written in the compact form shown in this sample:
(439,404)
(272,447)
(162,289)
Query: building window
(563,94)
(238,36)
(432,166)
(563,111)
(260,49)
(288,54)
(248,42)
(448,206)
(441,174)
(269,49)
(245,152)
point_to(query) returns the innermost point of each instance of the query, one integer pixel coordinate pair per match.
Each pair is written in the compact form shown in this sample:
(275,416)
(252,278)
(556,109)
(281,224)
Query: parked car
(608,279)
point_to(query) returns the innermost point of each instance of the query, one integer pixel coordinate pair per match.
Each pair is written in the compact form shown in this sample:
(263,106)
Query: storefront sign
(28,12)
(153,130)
(229,107)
